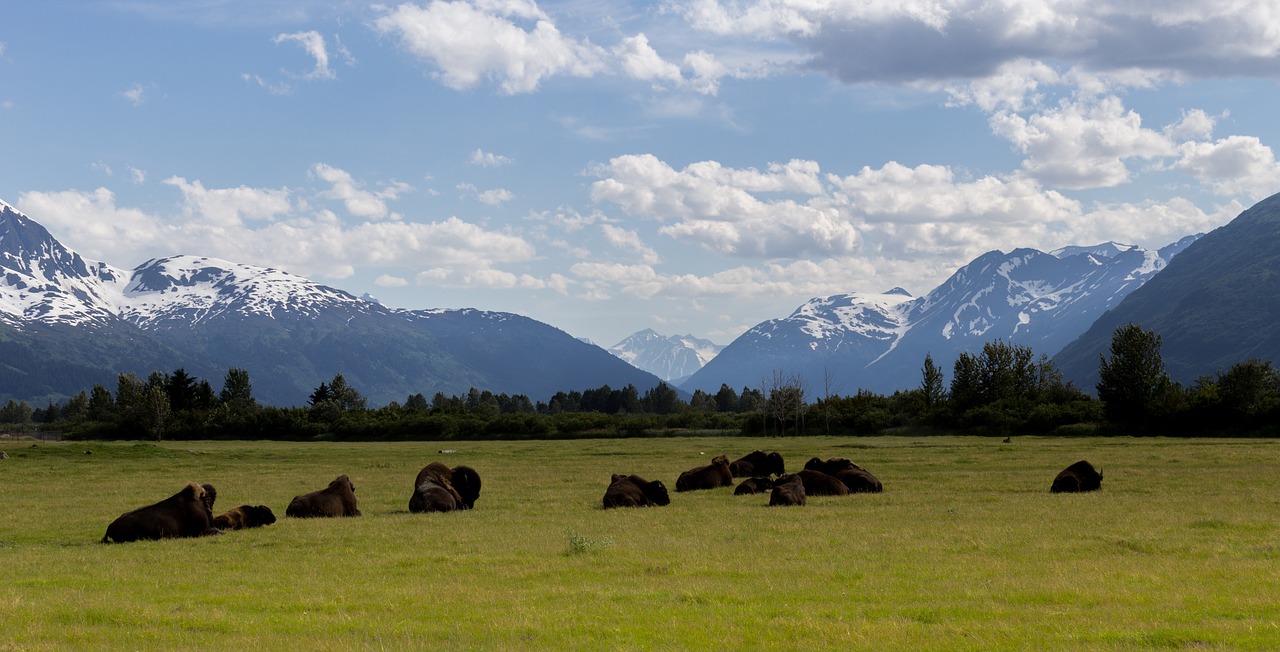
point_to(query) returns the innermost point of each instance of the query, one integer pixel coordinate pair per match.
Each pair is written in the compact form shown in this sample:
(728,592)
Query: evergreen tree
(181,389)
(726,399)
(931,383)
(1133,380)
(662,399)
(101,406)
(416,403)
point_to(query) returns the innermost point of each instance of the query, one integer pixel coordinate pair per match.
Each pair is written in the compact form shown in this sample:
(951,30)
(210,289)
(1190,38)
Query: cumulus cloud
(629,241)
(268,227)
(512,42)
(389,281)
(955,39)
(358,201)
(1081,144)
(1233,165)
(489,159)
(714,206)
(641,61)
(894,224)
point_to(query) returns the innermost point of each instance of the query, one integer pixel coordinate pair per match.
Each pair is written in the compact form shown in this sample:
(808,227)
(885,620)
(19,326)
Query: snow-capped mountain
(1217,304)
(879,341)
(44,282)
(672,358)
(67,323)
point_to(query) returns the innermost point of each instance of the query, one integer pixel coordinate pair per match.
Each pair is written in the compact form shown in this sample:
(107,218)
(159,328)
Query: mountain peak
(670,358)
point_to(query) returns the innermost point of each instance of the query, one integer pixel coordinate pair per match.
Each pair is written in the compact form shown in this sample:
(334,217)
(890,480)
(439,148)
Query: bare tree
(785,400)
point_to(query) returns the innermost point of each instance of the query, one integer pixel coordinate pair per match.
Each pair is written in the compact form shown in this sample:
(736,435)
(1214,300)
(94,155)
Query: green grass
(966,549)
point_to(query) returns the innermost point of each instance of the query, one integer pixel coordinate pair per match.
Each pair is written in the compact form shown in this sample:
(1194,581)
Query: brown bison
(817,483)
(716,474)
(244,517)
(635,491)
(187,513)
(1078,477)
(438,488)
(757,463)
(788,490)
(753,486)
(857,479)
(338,499)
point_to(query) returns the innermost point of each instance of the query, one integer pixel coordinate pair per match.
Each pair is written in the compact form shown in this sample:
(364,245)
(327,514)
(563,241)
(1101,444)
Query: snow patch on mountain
(670,358)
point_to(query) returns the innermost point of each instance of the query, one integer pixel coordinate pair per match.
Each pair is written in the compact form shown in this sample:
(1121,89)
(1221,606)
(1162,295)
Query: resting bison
(817,483)
(244,517)
(187,513)
(715,474)
(1078,477)
(753,486)
(439,488)
(635,491)
(338,499)
(757,463)
(857,479)
(788,490)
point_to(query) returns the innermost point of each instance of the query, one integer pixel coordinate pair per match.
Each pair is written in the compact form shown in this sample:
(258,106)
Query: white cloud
(229,207)
(274,88)
(495,196)
(1081,144)
(512,42)
(138,177)
(389,281)
(314,44)
(358,202)
(265,227)
(1233,165)
(641,61)
(137,94)
(1194,125)
(629,241)
(714,205)
(489,159)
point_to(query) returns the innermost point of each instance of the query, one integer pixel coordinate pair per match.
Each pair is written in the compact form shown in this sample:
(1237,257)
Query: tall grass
(966,549)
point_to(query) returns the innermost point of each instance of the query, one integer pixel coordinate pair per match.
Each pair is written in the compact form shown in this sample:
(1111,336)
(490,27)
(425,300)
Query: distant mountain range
(67,323)
(878,342)
(672,358)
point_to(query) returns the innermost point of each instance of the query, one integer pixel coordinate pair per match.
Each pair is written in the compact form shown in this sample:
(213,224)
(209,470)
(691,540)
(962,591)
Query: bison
(1078,477)
(757,463)
(817,483)
(244,517)
(855,478)
(187,513)
(716,474)
(753,486)
(438,488)
(788,490)
(635,491)
(338,499)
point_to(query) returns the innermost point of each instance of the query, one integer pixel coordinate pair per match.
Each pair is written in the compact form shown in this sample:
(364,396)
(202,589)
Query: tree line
(1003,390)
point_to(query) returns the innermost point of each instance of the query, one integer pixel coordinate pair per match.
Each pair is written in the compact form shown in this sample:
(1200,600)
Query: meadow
(965,549)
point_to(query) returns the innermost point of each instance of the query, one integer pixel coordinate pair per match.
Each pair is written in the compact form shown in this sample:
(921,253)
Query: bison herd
(189,513)
(438,488)
(833,477)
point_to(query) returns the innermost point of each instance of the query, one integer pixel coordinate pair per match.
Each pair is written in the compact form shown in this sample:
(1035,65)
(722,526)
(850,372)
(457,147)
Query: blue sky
(692,167)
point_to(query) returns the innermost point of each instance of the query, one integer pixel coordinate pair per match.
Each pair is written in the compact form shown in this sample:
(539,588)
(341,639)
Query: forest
(1004,390)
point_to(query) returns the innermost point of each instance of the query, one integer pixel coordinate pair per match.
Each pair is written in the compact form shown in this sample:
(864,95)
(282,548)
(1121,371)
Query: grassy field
(966,549)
